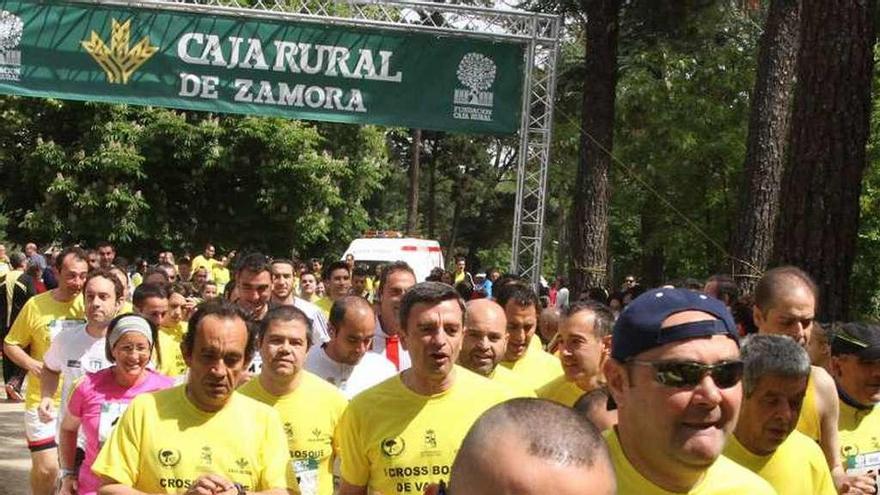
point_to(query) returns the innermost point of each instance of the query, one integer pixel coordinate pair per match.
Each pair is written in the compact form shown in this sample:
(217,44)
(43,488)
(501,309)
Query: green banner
(226,63)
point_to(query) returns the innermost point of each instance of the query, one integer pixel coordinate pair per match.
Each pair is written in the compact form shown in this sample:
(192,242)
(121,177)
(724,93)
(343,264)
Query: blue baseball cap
(637,329)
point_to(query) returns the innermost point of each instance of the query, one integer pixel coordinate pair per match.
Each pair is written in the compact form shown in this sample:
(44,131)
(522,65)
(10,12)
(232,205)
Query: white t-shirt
(350,380)
(380,344)
(73,353)
(319,322)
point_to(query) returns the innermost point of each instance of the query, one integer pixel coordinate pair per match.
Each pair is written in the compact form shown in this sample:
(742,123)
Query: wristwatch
(239,489)
(69,472)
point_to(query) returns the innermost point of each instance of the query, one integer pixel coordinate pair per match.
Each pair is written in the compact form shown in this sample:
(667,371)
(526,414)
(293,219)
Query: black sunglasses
(688,374)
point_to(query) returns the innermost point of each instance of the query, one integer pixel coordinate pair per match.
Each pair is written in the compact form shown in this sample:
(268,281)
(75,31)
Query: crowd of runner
(244,373)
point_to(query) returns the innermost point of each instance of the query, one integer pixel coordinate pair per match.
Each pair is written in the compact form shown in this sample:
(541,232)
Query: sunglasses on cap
(688,374)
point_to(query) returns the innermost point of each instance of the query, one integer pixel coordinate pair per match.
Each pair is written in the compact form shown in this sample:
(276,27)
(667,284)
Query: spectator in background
(562,294)
(723,288)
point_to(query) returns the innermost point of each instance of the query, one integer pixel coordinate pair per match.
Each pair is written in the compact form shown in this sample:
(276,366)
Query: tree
(819,216)
(589,232)
(766,145)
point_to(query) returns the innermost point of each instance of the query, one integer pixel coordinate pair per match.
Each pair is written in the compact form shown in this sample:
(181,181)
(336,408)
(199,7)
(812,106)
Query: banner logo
(11,28)
(474,102)
(119,60)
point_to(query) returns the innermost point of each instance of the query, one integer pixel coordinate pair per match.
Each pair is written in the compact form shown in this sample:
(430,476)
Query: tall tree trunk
(432,192)
(412,207)
(589,239)
(819,216)
(766,145)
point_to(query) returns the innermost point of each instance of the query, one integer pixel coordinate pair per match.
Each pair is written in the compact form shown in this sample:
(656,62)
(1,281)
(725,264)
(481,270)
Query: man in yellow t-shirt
(172,332)
(309,407)
(524,355)
(337,280)
(402,435)
(675,375)
(205,260)
(484,343)
(585,334)
(776,370)
(201,437)
(785,304)
(855,365)
(42,318)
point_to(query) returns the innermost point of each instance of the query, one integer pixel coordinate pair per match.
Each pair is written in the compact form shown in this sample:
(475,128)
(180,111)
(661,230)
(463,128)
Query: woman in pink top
(100,398)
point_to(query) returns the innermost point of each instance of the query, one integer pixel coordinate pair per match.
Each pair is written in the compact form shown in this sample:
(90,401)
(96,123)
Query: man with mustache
(402,435)
(201,437)
(675,375)
(484,343)
(855,366)
(309,407)
(775,376)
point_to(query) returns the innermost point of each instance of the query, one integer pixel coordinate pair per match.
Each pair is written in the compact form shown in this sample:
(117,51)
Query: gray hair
(772,355)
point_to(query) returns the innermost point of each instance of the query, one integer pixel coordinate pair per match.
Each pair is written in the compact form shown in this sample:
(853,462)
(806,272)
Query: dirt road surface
(15,461)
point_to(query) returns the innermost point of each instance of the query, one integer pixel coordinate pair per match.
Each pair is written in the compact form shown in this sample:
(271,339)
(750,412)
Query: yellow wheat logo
(119,60)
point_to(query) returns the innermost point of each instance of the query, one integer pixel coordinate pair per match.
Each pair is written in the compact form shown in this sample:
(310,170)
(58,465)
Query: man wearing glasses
(855,365)
(675,375)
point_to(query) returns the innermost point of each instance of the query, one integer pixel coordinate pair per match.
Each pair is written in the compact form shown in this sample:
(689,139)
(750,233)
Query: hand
(36,369)
(46,409)
(858,485)
(211,484)
(69,486)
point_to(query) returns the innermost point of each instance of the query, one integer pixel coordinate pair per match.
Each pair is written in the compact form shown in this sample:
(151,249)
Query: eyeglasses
(688,374)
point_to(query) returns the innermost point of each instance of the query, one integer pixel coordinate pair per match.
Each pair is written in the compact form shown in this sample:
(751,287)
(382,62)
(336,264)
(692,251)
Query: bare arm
(346,488)
(829,411)
(21,358)
(49,383)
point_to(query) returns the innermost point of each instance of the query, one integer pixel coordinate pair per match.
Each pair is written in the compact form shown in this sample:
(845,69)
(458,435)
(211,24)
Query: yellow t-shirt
(562,391)
(394,440)
(169,344)
(163,442)
(859,433)
(797,467)
(126,307)
(200,261)
(537,367)
(507,379)
(136,280)
(723,477)
(40,320)
(309,415)
(221,276)
(809,422)
(325,303)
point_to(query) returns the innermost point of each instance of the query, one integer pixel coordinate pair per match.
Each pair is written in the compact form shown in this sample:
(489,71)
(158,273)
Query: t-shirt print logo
(169,457)
(393,447)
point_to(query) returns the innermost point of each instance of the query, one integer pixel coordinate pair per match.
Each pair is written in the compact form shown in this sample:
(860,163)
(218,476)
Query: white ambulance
(383,247)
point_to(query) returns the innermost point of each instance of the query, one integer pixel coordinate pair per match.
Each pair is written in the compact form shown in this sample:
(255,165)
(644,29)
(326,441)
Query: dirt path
(15,461)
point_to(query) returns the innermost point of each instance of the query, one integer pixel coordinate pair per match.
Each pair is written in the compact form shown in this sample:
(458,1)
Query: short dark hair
(519,292)
(387,270)
(75,251)
(146,291)
(775,281)
(183,288)
(598,397)
(604,318)
(332,267)
(341,306)
(254,263)
(570,439)
(101,244)
(360,271)
(155,270)
(108,274)
(17,260)
(282,261)
(428,293)
(728,291)
(286,312)
(223,309)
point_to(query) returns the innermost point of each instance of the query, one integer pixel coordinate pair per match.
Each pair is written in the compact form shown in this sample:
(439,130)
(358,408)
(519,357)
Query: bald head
(785,304)
(505,453)
(548,324)
(779,282)
(352,327)
(485,336)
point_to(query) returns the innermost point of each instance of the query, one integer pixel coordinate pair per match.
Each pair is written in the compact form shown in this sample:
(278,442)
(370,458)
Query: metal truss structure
(539,33)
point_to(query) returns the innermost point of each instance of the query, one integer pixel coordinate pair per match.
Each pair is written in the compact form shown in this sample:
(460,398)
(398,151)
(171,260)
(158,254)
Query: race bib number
(306,475)
(863,464)
(110,413)
(256,365)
